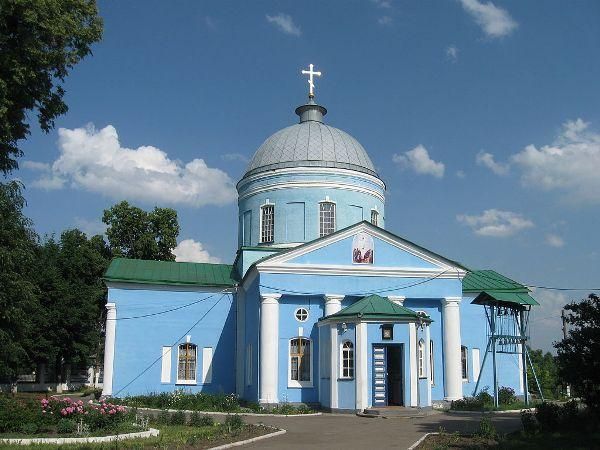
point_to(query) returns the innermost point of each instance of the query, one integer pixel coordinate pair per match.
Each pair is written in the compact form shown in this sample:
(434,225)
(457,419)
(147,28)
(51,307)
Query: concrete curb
(476,413)
(215,413)
(416,444)
(279,432)
(152,432)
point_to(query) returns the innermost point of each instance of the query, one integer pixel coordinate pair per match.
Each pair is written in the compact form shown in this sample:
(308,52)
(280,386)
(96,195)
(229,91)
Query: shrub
(506,395)
(486,429)
(29,428)
(178,418)
(204,421)
(569,413)
(484,397)
(530,424)
(548,416)
(163,418)
(234,422)
(66,426)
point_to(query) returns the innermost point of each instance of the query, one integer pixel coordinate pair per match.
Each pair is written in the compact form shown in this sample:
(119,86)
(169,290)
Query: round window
(301,314)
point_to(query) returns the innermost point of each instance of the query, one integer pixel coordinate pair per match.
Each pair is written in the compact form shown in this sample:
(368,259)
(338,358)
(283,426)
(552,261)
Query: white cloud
(49,182)
(496,223)
(190,250)
(487,160)
(494,21)
(554,240)
(569,165)
(460,174)
(418,159)
(452,53)
(94,160)
(285,23)
(35,166)
(234,157)
(90,227)
(383,3)
(384,20)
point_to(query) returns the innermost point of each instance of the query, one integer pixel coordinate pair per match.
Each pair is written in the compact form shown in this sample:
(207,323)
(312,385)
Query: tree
(40,42)
(579,352)
(135,233)
(18,293)
(546,370)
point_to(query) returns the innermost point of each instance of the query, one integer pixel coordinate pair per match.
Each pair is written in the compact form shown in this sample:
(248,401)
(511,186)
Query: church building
(322,304)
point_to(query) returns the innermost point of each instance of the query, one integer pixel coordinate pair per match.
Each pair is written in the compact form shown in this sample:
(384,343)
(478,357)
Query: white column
(333,303)
(397,299)
(334,366)
(269,347)
(412,352)
(427,362)
(109,348)
(361,357)
(452,341)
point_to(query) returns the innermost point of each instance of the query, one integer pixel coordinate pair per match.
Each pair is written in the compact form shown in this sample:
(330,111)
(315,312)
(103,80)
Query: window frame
(300,383)
(262,223)
(464,363)
(320,222)
(421,370)
(187,381)
(297,311)
(375,214)
(343,359)
(431,364)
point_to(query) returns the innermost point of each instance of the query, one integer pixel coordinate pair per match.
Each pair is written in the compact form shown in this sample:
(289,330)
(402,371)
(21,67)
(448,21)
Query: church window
(347,359)
(431,377)
(301,315)
(300,367)
(464,363)
(267,223)
(186,368)
(326,218)
(374,217)
(421,356)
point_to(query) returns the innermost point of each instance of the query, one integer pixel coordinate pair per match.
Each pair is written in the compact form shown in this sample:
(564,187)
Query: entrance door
(379,375)
(395,385)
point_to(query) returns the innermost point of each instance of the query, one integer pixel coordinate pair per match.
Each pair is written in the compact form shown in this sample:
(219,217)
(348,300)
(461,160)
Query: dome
(310,143)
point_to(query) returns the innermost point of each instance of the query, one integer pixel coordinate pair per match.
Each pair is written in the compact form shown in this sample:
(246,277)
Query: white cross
(311,84)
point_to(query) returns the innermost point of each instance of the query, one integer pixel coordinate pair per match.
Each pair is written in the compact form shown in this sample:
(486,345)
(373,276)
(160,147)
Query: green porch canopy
(491,287)
(375,307)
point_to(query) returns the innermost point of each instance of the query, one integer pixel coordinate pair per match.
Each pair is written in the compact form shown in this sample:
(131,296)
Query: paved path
(346,431)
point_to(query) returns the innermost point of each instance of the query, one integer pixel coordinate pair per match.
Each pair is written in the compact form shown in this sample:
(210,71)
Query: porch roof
(375,307)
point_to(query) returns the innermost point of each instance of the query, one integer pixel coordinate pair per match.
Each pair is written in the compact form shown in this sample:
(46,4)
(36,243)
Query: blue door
(379,375)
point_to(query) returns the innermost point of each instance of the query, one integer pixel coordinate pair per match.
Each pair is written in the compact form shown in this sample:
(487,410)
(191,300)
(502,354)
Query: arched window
(347,360)
(186,363)
(300,362)
(326,218)
(464,362)
(421,356)
(431,377)
(267,223)
(375,217)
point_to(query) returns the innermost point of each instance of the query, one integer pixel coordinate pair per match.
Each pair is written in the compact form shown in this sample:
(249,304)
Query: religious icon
(362,249)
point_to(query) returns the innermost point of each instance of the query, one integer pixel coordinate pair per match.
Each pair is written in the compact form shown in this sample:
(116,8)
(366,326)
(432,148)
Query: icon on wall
(362,249)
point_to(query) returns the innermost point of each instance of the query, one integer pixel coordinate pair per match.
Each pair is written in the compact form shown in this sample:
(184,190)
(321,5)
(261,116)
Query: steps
(396,412)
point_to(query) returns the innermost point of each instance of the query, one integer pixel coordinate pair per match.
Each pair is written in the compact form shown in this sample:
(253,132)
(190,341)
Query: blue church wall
(401,336)
(251,331)
(346,387)
(297,212)
(423,382)
(248,256)
(137,345)
(288,329)
(324,373)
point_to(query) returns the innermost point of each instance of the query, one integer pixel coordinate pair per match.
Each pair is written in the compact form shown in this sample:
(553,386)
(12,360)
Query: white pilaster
(240,343)
(412,353)
(397,299)
(334,366)
(452,341)
(109,348)
(427,357)
(269,347)
(362,383)
(333,303)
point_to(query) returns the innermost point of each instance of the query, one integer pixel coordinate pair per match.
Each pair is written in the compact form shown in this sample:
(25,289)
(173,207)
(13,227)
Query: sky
(482,118)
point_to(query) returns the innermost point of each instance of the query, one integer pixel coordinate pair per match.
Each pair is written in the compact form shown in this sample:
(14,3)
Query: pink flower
(90,402)
(63,412)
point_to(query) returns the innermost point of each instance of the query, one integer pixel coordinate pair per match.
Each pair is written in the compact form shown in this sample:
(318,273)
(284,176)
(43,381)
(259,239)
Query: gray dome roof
(310,143)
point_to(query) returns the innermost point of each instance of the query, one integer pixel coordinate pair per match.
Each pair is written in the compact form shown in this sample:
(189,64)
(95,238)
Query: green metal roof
(374,307)
(170,272)
(485,280)
(505,297)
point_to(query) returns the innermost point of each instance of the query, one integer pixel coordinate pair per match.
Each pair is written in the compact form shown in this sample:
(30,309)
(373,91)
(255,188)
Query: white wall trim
(333,363)
(165,372)
(397,299)
(355,270)
(269,347)
(412,345)
(168,287)
(333,304)
(109,348)
(361,370)
(452,348)
(308,184)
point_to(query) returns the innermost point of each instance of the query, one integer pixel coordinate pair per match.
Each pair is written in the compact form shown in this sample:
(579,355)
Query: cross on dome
(311,85)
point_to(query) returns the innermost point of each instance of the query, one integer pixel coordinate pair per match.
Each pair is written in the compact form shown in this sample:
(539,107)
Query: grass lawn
(180,437)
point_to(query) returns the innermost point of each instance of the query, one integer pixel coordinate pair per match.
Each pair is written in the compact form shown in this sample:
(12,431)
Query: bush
(178,418)
(530,424)
(234,422)
(201,420)
(486,429)
(484,397)
(570,413)
(506,395)
(66,426)
(548,416)
(29,428)
(163,418)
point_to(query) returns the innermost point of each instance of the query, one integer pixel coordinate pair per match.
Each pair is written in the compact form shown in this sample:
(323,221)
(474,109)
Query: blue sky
(481,117)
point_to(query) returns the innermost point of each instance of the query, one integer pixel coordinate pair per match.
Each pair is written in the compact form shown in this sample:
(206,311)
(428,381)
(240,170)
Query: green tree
(40,42)
(579,352)
(135,233)
(546,370)
(18,293)
(72,298)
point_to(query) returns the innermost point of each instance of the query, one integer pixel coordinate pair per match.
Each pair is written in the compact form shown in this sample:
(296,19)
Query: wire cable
(165,311)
